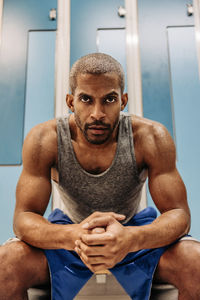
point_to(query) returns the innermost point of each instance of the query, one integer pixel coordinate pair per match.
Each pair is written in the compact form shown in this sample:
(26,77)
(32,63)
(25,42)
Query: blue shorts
(135,272)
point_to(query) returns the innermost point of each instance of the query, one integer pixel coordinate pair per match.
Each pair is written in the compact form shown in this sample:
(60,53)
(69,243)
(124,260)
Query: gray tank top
(117,189)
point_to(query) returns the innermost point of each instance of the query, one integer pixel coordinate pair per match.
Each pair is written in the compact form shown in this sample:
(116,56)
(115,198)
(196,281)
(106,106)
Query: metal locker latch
(190,10)
(121,11)
(52,14)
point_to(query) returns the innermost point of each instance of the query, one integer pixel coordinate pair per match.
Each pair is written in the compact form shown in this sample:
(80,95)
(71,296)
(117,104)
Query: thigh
(22,264)
(180,264)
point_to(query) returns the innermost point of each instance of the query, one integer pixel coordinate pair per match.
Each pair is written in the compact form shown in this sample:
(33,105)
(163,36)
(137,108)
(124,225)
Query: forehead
(97,83)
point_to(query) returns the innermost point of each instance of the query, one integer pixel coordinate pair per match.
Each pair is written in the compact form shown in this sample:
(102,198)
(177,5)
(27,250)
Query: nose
(98,112)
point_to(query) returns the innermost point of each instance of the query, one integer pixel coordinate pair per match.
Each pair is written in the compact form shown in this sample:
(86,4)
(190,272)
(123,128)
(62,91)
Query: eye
(110,99)
(85,99)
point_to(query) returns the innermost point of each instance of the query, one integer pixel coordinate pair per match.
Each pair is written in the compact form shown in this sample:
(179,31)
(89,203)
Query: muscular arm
(167,190)
(34,190)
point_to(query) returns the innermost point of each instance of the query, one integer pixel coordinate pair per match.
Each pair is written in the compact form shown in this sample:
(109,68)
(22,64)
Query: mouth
(97,130)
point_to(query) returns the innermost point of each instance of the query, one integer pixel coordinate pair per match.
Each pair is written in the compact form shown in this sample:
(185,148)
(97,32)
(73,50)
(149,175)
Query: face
(96,103)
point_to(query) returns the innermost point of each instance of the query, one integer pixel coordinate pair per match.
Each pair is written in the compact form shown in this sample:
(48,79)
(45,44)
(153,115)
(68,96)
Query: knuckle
(86,259)
(87,251)
(85,239)
(96,213)
(113,251)
(98,268)
(109,265)
(95,269)
(111,238)
(113,214)
(109,218)
(114,238)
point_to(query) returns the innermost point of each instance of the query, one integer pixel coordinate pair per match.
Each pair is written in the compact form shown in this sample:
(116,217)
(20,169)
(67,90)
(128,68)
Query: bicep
(34,185)
(168,190)
(32,193)
(165,184)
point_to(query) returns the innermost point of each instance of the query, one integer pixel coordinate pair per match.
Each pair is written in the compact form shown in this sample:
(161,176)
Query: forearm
(167,228)
(35,230)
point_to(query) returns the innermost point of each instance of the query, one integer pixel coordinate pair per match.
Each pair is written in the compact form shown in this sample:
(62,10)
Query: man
(99,160)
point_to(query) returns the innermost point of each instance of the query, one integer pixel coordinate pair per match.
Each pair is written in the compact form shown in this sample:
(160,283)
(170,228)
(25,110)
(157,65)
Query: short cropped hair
(96,63)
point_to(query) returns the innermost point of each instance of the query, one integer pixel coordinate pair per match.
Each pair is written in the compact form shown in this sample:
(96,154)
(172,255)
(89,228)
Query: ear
(124,100)
(70,101)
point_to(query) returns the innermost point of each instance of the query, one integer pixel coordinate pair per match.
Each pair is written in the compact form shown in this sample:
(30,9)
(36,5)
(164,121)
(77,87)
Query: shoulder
(40,145)
(153,141)
(150,131)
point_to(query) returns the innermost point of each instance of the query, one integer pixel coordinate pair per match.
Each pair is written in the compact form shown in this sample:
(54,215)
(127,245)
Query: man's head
(97,84)
(96,63)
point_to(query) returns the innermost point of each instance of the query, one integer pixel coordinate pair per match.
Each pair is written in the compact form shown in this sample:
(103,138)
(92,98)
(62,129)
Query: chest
(95,161)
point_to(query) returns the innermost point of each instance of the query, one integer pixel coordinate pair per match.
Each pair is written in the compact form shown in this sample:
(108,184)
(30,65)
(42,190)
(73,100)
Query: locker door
(185,86)
(38,104)
(112,41)
(19,17)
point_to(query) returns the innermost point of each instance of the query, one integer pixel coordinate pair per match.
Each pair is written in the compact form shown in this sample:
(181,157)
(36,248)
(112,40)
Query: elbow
(16,225)
(19,225)
(182,222)
(186,221)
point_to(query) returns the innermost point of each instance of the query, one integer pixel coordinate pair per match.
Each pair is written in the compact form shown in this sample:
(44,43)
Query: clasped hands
(103,241)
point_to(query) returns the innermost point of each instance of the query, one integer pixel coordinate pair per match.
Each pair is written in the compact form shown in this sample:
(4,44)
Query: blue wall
(18,18)
(86,17)
(30,93)
(101,30)
(154,18)
(186,94)
(170,85)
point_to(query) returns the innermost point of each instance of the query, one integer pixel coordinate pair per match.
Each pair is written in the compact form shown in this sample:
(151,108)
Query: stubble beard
(85,128)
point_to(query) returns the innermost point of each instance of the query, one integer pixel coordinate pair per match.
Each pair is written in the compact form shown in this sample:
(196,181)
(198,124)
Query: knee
(180,264)
(191,275)
(11,260)
(11,254)
(187,268)
(190,260)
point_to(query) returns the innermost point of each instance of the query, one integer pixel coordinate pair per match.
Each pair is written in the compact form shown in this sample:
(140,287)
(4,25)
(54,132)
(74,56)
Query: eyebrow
(112,94)
(84,94)
(107,95)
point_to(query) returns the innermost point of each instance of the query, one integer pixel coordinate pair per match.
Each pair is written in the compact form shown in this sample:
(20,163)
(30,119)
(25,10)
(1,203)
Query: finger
(87,265)
(98,261)
(86,260)
(98,230)
(91,250)
(92,260)
(118,217)
(94,215)
(110,213)
(95,267)
(97,239)
(101,221)
(100,268)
